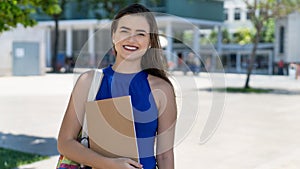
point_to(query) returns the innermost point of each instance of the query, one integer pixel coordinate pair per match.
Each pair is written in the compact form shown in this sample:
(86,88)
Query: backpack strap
(95,84)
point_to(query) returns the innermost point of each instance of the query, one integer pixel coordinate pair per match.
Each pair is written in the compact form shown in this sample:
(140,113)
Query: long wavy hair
(153,61)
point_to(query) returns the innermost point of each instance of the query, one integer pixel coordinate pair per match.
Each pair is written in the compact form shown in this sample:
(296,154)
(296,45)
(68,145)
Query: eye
(124,31)
(141,34)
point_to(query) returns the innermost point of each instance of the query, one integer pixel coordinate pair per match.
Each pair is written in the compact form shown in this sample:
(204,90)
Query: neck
(127,67)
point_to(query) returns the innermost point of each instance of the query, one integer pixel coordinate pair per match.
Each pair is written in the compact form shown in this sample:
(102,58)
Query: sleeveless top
(145,112)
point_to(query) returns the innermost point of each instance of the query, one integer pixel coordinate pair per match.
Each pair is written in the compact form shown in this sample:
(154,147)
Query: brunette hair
(153,61)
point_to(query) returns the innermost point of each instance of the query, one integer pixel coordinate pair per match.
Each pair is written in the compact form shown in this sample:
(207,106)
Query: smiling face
(131,37)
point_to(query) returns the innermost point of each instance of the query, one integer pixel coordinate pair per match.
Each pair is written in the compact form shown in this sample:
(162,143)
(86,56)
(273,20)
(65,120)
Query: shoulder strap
(95,84)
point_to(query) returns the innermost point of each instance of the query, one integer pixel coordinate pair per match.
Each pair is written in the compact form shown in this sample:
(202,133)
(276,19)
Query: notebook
(111,127)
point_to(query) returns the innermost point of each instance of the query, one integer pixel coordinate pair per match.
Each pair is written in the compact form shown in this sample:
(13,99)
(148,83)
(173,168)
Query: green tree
(268,32)
(56,17)
(226,38)
(14,12)
(213,37)
(243,36)
(260,12)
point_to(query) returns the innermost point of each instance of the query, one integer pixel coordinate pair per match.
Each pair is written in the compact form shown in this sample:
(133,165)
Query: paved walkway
(257,131)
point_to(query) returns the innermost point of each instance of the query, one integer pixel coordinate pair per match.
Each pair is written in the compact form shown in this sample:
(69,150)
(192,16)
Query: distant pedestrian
(280,67)
(193,63)
(180,62)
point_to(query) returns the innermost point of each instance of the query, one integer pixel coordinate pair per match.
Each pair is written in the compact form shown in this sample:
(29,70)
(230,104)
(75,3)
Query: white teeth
(130,47)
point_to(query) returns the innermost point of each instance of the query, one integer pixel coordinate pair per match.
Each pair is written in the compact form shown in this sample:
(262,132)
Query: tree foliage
(261,11)
(213,37)
(268,32)
(14,12)
(226,36)
(243,36)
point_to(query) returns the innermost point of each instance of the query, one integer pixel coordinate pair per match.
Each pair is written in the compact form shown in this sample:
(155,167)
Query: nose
(132,38)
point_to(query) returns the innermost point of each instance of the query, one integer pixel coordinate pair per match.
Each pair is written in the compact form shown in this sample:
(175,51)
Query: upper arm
(74,114)
(165,100)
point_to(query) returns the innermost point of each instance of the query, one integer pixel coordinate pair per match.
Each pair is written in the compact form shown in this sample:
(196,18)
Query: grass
(243,90)
(11,159)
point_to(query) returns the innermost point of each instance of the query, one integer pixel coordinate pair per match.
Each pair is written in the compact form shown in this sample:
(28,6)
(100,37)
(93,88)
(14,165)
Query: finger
(134,163)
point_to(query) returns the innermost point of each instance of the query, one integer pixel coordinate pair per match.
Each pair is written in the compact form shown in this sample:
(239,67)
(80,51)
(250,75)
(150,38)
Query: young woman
(139,71)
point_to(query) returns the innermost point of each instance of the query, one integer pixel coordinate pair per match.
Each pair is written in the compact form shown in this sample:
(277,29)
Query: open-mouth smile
(130,48)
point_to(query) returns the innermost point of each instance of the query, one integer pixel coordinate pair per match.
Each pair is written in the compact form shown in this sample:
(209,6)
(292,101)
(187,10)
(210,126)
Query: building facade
(23,51)
(236,15)
(288,38)
(235,57)
(81,33)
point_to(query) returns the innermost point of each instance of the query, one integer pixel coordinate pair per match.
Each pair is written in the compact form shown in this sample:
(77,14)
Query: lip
(131,48)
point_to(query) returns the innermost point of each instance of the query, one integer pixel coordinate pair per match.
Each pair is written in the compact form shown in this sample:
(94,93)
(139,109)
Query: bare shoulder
(83,82)
(157,83)
(164,96)
(86,76)
(161,89)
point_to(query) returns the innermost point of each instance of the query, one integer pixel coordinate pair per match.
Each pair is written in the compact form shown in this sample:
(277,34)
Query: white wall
(20,34)
(291,24)
(231,24)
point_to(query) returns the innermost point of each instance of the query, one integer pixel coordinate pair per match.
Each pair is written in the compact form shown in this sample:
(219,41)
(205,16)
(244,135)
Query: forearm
(166,161)
(75,151)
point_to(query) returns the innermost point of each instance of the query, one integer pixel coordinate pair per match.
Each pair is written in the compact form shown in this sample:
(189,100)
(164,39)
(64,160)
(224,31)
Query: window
(237,14)
(225,14)
(80,37)
(248,15)
(281,39)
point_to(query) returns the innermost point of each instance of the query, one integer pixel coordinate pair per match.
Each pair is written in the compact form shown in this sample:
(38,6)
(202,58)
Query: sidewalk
(257,131)
(31,111)
(45,164)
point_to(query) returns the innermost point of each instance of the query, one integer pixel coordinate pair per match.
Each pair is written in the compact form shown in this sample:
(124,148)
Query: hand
(125,163)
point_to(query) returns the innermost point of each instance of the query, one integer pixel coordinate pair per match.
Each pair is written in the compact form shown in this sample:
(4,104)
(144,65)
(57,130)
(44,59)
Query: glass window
(225,14)
(237,14)
(281,39)
(80,37)
(248,15)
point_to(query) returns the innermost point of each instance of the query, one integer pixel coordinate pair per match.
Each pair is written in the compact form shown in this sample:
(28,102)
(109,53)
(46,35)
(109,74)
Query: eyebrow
(138,30)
